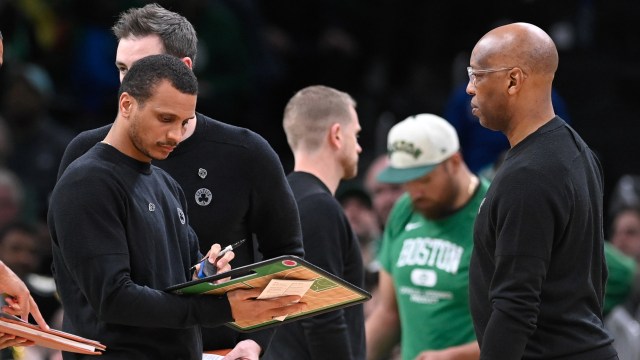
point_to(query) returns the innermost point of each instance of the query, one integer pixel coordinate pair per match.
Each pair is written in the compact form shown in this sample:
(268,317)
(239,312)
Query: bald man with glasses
(538,270)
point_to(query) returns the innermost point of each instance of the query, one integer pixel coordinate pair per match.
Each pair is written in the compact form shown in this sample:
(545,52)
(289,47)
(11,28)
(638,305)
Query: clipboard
(53,339)
(327,293)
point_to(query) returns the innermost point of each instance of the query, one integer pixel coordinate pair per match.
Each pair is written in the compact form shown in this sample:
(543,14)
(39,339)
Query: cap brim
(397,176)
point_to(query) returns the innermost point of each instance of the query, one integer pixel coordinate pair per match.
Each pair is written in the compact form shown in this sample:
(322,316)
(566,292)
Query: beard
(136,139)
(435,211)
(441,206)
(349,167)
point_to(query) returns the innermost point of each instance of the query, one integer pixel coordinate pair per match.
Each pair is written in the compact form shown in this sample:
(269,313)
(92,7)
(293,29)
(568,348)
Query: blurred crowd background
(396,58)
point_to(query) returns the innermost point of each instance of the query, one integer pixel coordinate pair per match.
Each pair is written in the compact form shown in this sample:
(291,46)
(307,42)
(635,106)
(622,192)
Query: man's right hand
(245,306)
(7,340)
(17,297)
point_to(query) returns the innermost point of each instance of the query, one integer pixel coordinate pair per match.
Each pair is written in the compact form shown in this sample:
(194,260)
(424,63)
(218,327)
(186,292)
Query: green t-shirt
(622,271)
(429,263)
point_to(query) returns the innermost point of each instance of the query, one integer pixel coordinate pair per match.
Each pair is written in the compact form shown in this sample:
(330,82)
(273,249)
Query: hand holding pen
(216,261)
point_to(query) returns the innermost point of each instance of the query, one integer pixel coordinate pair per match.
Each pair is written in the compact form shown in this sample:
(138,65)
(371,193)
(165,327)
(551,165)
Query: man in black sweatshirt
(233,180)
(538,271)
(121,235)
(322,130)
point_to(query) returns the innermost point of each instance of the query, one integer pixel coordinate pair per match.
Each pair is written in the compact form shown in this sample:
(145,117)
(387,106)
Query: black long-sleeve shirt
(120,236)
(329,243)
(235,187)
(538,271)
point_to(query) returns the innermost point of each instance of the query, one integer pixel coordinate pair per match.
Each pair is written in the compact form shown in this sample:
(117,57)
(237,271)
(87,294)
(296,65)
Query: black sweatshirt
(235,187)
(538,270)
(329,243)
(120,236)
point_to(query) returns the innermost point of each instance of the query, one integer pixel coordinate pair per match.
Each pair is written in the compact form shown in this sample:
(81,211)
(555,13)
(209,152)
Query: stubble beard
(136,140)
(350,168)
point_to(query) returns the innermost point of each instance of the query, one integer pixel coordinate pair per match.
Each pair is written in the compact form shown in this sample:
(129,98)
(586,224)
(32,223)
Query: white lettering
(438,253)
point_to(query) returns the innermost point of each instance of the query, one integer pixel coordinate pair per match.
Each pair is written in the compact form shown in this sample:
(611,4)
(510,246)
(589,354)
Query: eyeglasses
(474,73)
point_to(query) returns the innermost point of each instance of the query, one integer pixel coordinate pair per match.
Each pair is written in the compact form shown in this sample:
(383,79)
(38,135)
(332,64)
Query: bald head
(519,44)
(513,94)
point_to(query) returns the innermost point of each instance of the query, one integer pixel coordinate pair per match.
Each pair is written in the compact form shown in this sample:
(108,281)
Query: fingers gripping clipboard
(327,292)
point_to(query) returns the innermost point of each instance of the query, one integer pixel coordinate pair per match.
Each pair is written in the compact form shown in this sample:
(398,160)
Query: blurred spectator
(384,195)
(356,203)
(19,251)
(38,140)
(623,271)
(626,193)
(357,206)
(5,142)
(625,231)
(11,197)
(622,294)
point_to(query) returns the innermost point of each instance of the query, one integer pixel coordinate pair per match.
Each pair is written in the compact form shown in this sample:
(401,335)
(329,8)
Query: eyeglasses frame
(474,72)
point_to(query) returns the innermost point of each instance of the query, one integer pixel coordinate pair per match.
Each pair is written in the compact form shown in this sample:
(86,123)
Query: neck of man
(537,112)
(118,138)
(468,184)
(322,165)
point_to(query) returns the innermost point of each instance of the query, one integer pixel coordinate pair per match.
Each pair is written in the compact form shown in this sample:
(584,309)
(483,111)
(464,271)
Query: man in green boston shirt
(426,247)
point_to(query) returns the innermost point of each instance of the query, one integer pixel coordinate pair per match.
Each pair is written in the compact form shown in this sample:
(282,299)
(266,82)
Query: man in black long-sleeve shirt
(322,126)
(538,271)
(233,180)
(120,233)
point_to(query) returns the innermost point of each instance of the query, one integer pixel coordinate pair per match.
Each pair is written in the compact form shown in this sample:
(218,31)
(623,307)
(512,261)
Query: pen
(222,252)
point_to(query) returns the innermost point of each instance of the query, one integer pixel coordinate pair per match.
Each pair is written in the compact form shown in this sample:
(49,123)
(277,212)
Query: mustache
(168,143)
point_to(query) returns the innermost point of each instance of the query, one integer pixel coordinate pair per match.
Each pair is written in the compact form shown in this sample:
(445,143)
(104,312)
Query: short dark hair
(176,32)
(146,73)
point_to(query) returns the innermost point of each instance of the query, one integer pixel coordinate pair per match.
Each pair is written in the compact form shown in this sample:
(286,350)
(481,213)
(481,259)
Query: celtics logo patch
(203,197)
(181,217)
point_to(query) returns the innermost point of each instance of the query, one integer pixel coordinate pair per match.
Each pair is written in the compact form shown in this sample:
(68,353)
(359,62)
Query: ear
(125,104)
(335,135)
(188,61)
(516,80)
(452,163)
(456,159)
